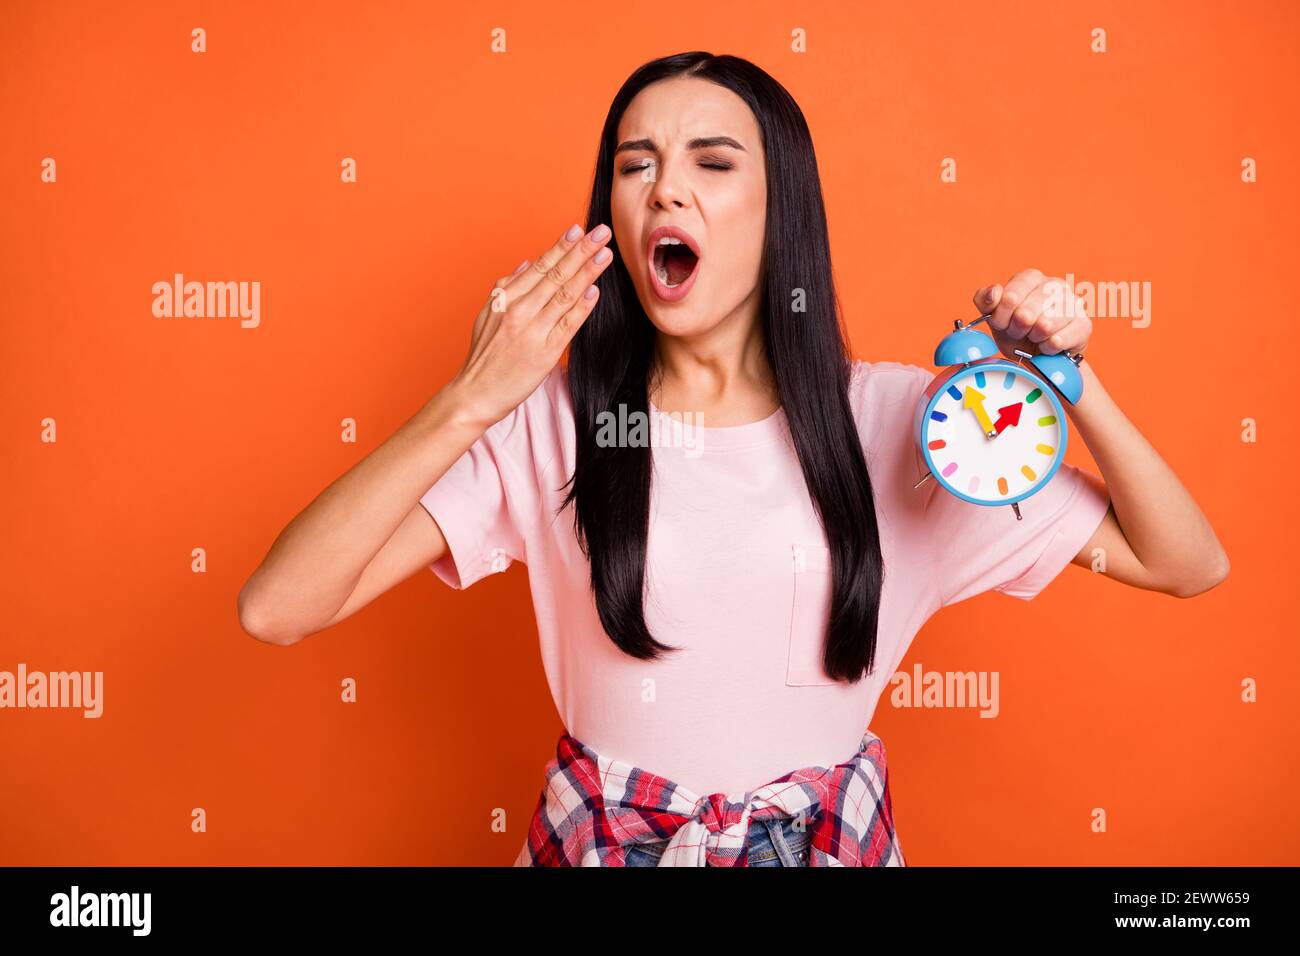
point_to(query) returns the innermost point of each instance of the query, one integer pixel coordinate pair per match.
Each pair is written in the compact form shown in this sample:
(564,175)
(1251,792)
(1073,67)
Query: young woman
(718,612)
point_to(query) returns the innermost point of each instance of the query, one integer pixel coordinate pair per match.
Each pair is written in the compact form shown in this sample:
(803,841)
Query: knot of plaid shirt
(593,806)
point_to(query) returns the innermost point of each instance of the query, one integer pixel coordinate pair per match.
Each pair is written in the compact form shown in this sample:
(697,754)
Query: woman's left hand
(1034,313)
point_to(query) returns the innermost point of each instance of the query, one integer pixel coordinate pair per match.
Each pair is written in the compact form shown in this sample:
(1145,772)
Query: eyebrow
(702,142)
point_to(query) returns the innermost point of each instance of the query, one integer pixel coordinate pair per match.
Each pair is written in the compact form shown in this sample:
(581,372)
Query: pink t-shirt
(738,577)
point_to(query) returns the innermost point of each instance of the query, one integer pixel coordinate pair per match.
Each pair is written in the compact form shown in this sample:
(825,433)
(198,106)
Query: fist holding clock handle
(1036,314)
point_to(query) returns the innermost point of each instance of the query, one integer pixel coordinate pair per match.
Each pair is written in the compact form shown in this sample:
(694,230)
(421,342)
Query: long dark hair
(610,362)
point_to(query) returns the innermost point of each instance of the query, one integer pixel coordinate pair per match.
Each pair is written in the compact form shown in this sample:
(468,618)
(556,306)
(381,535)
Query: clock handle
(1075,357)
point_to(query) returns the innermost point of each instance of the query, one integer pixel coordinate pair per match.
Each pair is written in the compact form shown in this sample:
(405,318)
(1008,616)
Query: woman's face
(689,156)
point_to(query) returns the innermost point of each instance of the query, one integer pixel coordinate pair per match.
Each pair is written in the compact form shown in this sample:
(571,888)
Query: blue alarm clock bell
(993,431)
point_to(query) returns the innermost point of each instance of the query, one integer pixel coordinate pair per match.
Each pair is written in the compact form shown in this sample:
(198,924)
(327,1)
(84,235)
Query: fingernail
(600,233)
(522,266)
(590,293)
(988,296)
(574,232)
(603,256)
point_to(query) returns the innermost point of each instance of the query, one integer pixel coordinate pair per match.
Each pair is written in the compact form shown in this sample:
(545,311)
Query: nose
(668,192)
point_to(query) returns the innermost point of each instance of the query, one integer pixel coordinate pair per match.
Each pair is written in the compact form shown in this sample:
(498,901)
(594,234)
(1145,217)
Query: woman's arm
(1154,535)
(362,534)
(367,531)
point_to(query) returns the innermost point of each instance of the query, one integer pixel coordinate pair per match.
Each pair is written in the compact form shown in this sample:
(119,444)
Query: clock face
(1020,413)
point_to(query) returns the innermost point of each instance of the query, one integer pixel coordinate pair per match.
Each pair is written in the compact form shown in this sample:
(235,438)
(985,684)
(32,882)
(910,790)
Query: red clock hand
(1008,415)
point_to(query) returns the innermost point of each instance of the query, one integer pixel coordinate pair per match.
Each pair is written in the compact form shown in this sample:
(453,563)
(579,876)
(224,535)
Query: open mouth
(674,261)
(674,258)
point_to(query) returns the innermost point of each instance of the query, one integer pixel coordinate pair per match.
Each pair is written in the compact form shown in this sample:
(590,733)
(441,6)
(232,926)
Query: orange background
(183,433)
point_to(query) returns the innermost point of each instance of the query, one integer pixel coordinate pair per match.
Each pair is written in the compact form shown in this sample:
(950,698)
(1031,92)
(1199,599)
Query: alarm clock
(992,431)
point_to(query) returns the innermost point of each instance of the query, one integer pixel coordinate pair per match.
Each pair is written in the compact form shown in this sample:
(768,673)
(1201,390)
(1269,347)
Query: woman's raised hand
(529,318)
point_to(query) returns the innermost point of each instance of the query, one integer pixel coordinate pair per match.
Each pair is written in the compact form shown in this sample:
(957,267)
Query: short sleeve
(979,548)
(472,506)
(985,548)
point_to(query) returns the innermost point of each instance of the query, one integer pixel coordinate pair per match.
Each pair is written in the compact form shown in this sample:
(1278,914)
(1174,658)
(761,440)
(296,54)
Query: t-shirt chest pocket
(810,615)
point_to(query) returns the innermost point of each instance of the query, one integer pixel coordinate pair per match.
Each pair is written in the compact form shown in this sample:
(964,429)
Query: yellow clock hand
(974,400)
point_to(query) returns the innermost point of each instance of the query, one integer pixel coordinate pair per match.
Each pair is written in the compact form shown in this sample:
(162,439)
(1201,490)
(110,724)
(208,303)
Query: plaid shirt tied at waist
(592,807)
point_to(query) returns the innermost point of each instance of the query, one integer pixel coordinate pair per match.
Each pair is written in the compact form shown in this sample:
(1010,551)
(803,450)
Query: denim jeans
(772,842)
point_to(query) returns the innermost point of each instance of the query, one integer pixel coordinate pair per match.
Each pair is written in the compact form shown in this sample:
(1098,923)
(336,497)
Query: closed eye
(638,167)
